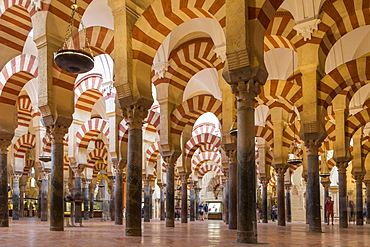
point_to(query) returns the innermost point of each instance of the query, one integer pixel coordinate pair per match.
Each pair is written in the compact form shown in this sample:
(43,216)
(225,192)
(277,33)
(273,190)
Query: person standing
(329,206)
(205,211)
(274,212)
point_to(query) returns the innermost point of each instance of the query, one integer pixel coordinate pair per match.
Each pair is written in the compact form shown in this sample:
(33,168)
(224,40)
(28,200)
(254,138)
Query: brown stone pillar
(184,199)
(245,93)
(343,211)
(305,177)
(359,200)
(227,196)
(313,186)
(326,184)
(161,199)
(288,203)
(280,170)
(192,202)
(134,115)
(146,199)
(367,183)
(4,211)
(265,182)
(170,190)
(233,189)
(44,194)
(56,178)
(118,193)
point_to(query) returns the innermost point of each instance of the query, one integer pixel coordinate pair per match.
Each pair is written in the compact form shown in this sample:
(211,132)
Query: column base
(56,228)
(4,224)
(133,232)
(247,237)
(316,230)
(170,223)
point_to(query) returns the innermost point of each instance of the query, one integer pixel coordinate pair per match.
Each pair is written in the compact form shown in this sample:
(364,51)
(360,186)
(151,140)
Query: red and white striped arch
(265,132)
(14,75)
(95,155)
(352,74)
(356,121)
(91,129)
(122,131)
(24,143)
(199,159)
(161,17)
(46,144)
(153,151)
(209,148)
(197,141)
(189,111)
(65,163)
(24,111)
(207,168)
(87,92)
(153,119)
(204,128)
(98,167)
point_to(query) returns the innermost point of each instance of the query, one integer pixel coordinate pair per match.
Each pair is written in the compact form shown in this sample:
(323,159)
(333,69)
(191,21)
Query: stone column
(134,115)
(56,186)
(151,201)
(233,189)
(161,195)
(146,199)
(359,200)
(305,177)
(343,211)
(326,184)
(85,191)
(184,199)
(170,190)
(118,193)
(313,186)
(78,192)
(22,188)
(192,202)
(197,201)
(112,200)
(367,183)
(226,194)
(288,203)
(280,170)
(15,195)
(4,211)
(91,192)
(265,183)
(44,194)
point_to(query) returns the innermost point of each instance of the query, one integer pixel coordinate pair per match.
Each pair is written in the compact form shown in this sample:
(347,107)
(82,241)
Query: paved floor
(32,232)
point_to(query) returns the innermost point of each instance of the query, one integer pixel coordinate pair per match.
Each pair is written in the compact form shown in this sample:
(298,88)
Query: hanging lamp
(294,160)
(324,173)
(71,60)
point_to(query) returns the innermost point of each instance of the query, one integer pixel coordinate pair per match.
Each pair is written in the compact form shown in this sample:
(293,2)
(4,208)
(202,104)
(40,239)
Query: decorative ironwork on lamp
(294,160)
(71,60)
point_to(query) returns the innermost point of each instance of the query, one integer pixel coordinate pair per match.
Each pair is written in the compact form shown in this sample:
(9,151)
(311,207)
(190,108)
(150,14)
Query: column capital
(359,178)
(264,181)
(117,166)
(45,173)
(86,182)
(312,146)
(325,182)
(280,169)
(4,144)
(171,159)
(134,115)
(366,182)
(246,92)
(78,170)
(146,180)
(342,166)
(57,132)
(184,178)
(232,155)
(17,176)
(197,190)
(288,187)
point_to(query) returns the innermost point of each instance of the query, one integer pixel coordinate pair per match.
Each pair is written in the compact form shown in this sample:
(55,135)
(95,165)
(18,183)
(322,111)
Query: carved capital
(57,132)
(78,170)
(86,182)
(117,166)
(45,173)
(231,154)
(4,145)
(135,114)
(171,160)
(264,181)
(146,181)
(17,176)
(306,28)
(342,167)
(312,146)
(184,178)
(359,178)
(280,171)
(246,92)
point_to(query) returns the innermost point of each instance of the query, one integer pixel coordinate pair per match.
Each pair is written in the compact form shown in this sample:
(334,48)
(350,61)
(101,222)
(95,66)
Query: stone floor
(32,232)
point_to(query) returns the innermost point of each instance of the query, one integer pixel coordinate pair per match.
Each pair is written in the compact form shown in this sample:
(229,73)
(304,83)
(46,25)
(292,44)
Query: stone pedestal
(359,200)
(15,196)
(44,194)
(343,211)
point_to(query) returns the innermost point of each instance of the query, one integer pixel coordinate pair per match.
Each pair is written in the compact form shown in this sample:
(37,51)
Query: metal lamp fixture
(295,160)
(71,60)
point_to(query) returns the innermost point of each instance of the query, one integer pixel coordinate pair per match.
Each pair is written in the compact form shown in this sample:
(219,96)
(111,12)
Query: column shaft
(264,203)
(78,199)
(343,211)
(197,201)
(170,195)
(227,199)
(233,196)
(313,191)
(91,192)
(118,216)
(359,201)
(15,198)
(280,197)
(162,214)
(192,208)
(326,194)
(288,205)
(184,202)
(44,198)
(4,214)
(367,202)
(146,202)
(85,192)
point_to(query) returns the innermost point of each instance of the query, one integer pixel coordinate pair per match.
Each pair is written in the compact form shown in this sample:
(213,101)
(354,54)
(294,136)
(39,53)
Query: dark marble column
(151,202)
(245,93)
(15,195)
(44,194)
(326,184)
(170,190)
(118,194)
(192,202)
(313,187)
(112,200)
(85,192)
(56,178)
(233,189)
(288,203)
(77,170)
(91,192)
(367,183)
(343,211)
(146,200)
(22,188)
(305,177)
(161,199)
(265,182)
(184,199)
(359,200)
(4,210)
(134,115)
(280,170)
(227,199)
(197,201)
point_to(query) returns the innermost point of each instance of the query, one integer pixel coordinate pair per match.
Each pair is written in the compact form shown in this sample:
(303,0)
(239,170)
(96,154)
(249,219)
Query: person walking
(329,206)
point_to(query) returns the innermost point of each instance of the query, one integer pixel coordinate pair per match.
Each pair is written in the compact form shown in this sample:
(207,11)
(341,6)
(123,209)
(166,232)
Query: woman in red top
(329,206)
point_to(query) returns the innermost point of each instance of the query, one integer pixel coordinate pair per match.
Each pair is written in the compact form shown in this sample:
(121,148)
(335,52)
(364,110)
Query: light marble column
(45,194)
(118,193)
(15,196)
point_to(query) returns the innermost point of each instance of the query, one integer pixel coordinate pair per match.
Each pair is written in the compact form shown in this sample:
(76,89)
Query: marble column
(44,194)
(280,170)
(118,193)
(134,115)
(197,201)
(161,195)
(227,199)
(192,202)
(112,200)
(343,211)
(22,188)
(367,183)
(85,192)
(305,177)
(151,202)
(184,199)
(233,189)
(245,93)
(78,192)
(56,178)
(265,183)
(91,192)
(146,200)
(326,184)
(15,195)
(313,187)
(170,190)
(288,203)
(4,210)
(359,200)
